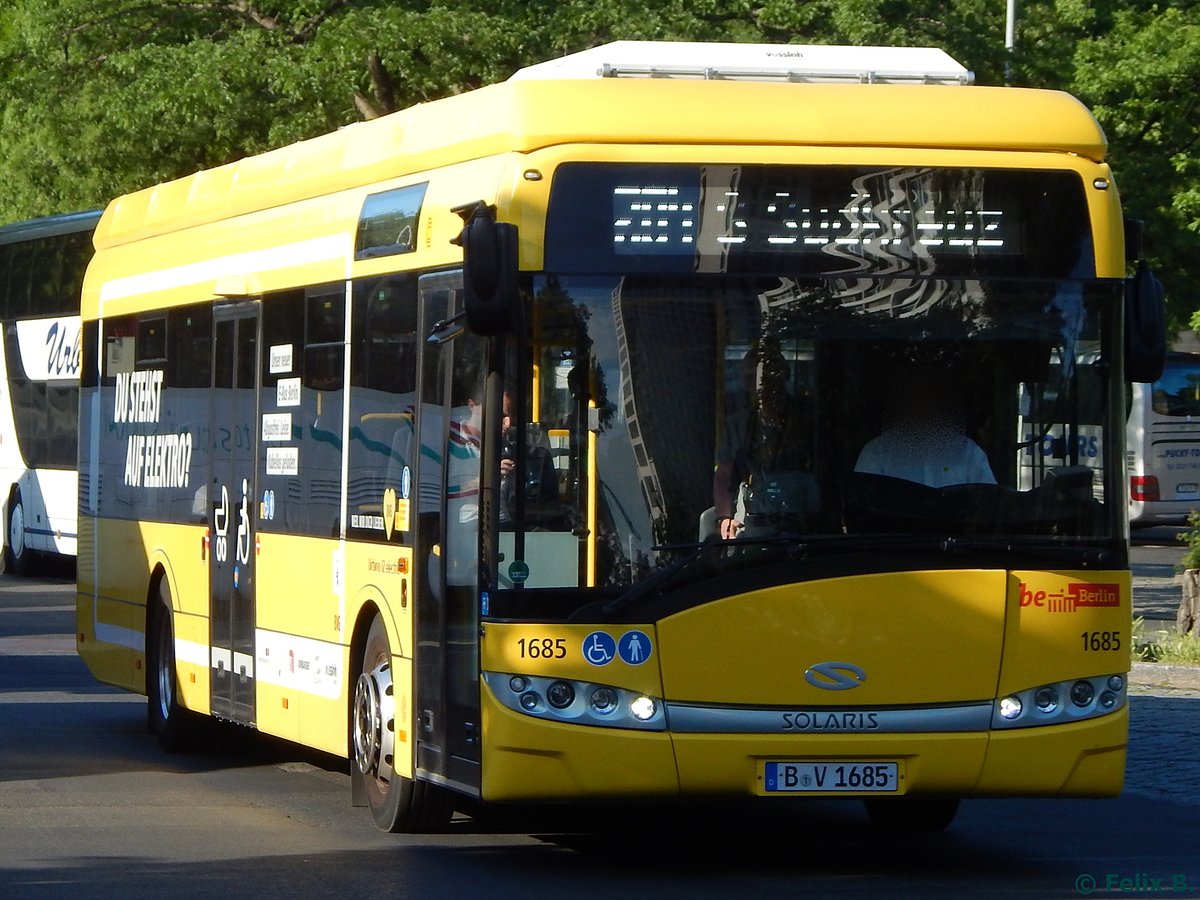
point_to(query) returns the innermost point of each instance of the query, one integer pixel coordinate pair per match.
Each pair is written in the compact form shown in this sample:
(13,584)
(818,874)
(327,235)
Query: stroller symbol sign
(599,648)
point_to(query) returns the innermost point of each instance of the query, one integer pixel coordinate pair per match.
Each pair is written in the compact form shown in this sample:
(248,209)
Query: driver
(924,437)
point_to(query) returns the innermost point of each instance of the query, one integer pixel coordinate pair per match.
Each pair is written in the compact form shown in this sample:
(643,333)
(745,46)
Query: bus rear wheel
(397,804)
(165,717)
(911,814)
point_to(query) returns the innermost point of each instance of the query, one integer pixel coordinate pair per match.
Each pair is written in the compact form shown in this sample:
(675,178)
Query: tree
(100,97)
(1141,77)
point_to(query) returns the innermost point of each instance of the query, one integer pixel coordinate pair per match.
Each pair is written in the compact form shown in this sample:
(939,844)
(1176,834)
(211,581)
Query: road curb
(1160,675)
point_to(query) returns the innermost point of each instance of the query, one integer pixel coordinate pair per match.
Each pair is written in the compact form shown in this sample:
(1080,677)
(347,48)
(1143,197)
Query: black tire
(911,814)
(17,557)
(174,726)
(397,804)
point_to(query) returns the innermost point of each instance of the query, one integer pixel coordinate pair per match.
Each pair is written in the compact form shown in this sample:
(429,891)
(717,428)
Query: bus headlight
(560,695)
(1046,704)
(604,700)
(1046,699)
(1082,693)
(1011,707)
(643,708)
(578,702)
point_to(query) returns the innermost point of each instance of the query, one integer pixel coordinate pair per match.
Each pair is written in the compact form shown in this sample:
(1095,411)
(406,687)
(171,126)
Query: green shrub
(1191,537)
(1144,649)
(1180,650)
(1171,648)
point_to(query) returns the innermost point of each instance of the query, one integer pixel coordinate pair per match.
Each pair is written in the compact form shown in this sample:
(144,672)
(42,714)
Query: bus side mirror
(1145,326)
(490,291)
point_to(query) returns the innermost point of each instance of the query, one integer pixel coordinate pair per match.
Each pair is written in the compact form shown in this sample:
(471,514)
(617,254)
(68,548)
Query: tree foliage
(99,97)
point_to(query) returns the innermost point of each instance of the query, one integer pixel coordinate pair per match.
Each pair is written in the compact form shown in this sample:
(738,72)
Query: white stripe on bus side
(336,246)
(298,663)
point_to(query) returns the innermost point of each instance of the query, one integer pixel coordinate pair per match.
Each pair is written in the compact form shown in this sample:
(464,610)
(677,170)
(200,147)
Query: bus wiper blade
(797,547)
(801,545)
(660,577)
(1100,556)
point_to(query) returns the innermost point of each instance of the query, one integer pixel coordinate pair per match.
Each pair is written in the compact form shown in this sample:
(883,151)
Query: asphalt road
(90,807)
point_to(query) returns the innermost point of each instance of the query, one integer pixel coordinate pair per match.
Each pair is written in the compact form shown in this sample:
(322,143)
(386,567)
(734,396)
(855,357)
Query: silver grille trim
(686,718)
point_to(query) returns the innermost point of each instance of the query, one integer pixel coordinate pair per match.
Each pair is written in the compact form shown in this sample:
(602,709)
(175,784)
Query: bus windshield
(806,412)
(1177,392)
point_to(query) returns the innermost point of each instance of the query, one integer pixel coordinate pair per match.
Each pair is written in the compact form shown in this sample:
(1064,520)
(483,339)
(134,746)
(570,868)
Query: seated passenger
(924,438)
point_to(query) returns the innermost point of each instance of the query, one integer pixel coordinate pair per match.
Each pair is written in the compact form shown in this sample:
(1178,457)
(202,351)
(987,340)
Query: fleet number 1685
(542,648)
(1101,640)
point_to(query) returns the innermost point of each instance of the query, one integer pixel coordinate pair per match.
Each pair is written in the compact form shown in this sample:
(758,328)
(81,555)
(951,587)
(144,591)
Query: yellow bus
(651,425)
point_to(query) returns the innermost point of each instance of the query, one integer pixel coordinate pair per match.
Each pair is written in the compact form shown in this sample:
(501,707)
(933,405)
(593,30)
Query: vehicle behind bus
(1163,445)
(42,263)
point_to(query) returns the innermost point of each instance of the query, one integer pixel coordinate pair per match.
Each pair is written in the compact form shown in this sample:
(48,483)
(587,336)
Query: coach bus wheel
(165,717)
(16,554)
(923,814)
(397,803)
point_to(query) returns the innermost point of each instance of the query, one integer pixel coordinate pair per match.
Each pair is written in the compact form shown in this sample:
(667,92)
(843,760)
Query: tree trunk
(1187,620)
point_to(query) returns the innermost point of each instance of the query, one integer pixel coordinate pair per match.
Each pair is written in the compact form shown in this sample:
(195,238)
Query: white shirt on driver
(929,455)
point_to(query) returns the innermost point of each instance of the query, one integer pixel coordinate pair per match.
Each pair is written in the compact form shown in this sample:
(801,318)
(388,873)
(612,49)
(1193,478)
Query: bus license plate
(838,776)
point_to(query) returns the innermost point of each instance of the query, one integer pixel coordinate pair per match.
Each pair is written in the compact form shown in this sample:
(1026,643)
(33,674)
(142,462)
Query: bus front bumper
(527,759)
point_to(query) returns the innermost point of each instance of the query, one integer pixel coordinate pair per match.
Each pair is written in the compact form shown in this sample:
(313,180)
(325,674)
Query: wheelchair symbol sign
(599,648)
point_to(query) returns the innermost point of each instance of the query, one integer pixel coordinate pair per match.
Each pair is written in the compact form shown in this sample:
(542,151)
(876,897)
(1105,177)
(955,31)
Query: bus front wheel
(398,804)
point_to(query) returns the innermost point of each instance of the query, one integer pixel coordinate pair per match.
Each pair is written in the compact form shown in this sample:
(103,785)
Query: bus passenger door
(447,661)
(234,420)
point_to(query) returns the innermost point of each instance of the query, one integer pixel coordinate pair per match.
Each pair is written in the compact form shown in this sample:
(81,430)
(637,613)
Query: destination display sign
(812,219)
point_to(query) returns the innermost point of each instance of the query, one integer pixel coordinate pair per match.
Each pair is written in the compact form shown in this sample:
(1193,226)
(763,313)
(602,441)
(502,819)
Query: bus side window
(383,378)
(151,345)
(119,340)
(189,335)
(302,363)
(324,340)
